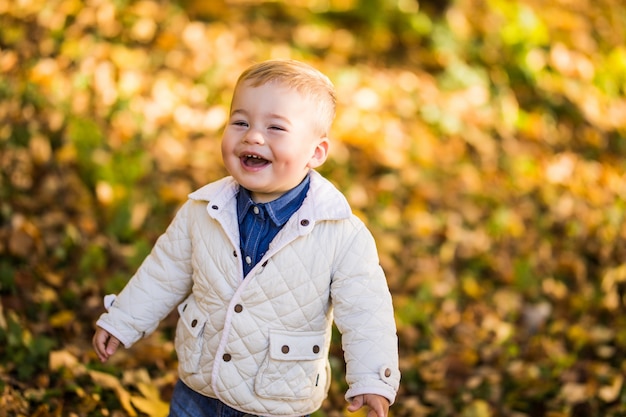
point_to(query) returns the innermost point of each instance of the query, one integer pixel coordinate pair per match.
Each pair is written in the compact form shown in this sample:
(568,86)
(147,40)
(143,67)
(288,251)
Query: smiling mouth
(254,161)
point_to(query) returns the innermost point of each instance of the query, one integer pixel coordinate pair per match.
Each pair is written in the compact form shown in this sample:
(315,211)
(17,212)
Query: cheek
(284,156)
(227,153)
(227,143)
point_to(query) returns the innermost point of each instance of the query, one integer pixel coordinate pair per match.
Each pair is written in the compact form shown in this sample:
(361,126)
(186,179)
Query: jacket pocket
(189,335)
(295,367)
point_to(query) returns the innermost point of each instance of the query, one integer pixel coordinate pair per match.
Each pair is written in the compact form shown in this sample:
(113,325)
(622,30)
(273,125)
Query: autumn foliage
(483,142)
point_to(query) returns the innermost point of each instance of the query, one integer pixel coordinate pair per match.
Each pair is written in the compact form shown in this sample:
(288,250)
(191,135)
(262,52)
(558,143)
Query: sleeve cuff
(109,328)
(388,393)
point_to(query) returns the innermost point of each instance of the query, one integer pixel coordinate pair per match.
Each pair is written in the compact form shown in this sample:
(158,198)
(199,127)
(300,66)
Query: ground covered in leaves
(483,142)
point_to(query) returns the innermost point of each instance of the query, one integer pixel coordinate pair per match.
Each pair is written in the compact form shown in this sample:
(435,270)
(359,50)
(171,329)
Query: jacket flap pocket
(297,346)
(191,316)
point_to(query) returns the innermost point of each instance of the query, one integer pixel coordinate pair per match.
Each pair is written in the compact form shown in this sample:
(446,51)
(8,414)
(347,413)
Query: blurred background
(482,141)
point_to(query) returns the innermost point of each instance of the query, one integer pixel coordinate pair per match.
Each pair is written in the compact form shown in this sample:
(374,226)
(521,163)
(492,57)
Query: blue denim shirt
(259,223)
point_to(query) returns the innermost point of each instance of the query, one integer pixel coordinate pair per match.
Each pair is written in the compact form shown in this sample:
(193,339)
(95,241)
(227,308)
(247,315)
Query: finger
(377,406)
(357,402)
(99,345)
(376,411)
(112,345)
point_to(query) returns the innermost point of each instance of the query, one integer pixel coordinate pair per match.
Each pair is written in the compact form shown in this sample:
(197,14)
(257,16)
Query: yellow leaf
(148,390)
(62,318)
(362,412)
(111,382)
(574,393)
(609,393)
(478,408)
(150,402)
(64,359)
(153,407)
(471,287)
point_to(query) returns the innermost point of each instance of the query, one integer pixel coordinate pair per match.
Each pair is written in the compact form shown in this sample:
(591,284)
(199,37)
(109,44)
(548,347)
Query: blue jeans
(189,403)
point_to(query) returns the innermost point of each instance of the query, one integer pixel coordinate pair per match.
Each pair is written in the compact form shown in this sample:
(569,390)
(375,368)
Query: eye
(274,127)
(240,123)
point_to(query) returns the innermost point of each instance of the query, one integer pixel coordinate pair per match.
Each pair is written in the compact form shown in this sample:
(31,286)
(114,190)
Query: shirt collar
(279,210)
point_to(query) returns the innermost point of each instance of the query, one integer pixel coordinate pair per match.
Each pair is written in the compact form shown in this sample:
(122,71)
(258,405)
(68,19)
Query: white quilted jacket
(260,344)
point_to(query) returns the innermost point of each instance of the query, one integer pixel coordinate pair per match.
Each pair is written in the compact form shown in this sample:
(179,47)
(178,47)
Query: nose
(253,136)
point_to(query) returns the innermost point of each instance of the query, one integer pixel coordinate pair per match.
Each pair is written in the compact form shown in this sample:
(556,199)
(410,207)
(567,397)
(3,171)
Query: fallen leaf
(111,382)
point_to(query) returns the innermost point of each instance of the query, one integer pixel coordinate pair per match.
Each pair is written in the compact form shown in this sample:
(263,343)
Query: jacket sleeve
(161,282)
(364,315)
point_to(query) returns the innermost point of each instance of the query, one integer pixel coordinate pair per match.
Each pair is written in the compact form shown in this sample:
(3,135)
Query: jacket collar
(323,201)
(278,210)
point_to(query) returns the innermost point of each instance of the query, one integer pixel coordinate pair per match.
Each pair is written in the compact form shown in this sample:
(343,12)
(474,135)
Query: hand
(105,344)
(378,405)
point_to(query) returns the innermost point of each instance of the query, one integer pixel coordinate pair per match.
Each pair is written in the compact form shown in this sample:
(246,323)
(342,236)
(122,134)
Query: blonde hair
(303,78)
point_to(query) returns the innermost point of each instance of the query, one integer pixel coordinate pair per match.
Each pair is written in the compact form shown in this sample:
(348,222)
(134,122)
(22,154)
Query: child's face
(271,140)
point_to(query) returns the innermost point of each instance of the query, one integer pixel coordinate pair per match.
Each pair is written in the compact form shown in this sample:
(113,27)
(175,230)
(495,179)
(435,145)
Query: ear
(320,153)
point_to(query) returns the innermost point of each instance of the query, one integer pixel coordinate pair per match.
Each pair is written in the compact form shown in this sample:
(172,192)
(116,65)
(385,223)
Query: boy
(260,262)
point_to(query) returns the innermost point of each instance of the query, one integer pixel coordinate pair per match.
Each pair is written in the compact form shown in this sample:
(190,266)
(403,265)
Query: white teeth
(253,156)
